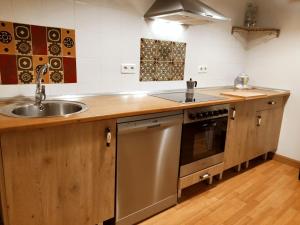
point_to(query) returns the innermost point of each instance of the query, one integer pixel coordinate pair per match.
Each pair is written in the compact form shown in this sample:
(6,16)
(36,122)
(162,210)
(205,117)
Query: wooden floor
(268,193)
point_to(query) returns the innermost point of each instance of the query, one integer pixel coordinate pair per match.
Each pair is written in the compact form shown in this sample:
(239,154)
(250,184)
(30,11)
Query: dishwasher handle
(149,124)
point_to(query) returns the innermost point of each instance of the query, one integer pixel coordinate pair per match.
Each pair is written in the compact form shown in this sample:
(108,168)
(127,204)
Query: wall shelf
(267,31)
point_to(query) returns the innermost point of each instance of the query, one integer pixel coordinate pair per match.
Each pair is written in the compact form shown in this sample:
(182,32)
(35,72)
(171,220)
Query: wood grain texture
(60,175)
(268,194)
(245,138)
(247,94)
(286,160)
(238,133)
(116,106)
(196,177)
(4,212)
(264,138)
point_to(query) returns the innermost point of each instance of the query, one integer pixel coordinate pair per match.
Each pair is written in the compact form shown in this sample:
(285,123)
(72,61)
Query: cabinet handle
(108,137)
(205,176)
(272,102)
(259,119)
(233,114)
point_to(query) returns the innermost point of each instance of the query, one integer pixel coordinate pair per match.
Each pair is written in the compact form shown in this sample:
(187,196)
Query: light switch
(128,68)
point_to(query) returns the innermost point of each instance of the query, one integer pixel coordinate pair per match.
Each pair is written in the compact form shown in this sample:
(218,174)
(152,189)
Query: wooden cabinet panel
(254,131)
(237,132)
(269,103)
(60,175)
(268,124)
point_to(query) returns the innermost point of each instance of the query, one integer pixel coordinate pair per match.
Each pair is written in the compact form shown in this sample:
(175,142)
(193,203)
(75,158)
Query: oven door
(202,145)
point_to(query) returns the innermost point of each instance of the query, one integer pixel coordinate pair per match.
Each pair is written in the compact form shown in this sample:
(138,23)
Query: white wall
(276,63)
(108,33)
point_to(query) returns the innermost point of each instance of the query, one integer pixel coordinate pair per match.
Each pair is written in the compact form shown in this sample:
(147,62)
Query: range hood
(189,12)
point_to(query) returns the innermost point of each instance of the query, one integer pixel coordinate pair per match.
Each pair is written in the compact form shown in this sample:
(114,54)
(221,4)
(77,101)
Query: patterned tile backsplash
(162,60)
(24,48)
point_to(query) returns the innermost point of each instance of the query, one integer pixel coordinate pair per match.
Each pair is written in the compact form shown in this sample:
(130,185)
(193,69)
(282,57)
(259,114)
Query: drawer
(269,103)
(197,177)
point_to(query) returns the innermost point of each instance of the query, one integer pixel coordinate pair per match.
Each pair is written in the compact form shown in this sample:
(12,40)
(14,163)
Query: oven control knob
(192,116)
(210,113)
(205,114)
(200,115)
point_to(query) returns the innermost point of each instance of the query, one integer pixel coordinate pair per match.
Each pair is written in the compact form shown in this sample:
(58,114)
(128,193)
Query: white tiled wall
(276,63)
(108,33)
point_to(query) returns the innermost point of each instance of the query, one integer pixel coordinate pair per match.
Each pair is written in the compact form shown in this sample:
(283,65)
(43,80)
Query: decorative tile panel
(162,60)
(25,48)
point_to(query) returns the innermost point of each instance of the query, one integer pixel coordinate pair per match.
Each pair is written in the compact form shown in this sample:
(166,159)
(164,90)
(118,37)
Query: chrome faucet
(40,92)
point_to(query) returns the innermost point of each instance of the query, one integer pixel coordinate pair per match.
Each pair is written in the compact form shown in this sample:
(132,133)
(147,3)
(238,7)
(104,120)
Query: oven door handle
(212,124)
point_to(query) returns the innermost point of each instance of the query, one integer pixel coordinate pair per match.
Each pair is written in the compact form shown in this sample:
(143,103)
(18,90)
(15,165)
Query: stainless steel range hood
(189,12)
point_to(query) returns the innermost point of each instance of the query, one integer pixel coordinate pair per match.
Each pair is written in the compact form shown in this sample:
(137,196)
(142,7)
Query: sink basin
(50,109)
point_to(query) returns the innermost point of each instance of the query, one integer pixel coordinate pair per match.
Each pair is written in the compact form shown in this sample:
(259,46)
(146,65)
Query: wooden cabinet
(237,134)
(266,130)
(253,129)
(61,175)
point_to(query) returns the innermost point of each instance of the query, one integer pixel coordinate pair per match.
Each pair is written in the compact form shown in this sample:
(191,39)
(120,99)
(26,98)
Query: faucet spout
(40,93)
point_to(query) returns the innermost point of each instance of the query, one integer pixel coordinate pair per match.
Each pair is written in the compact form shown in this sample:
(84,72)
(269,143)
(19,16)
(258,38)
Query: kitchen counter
(117,106)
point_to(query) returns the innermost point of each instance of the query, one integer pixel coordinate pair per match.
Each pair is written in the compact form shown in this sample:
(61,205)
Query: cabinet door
(237,134)
(59,175)
(268,124)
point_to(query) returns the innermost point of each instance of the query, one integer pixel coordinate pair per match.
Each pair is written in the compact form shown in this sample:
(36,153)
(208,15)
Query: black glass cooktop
(185,97)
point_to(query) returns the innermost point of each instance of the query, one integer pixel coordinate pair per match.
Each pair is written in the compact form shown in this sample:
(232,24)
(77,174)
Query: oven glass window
(203,139)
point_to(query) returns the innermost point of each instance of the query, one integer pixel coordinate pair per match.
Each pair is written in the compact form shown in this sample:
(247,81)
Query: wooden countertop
(117,106)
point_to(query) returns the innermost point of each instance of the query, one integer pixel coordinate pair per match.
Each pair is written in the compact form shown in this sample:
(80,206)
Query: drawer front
(269,103)
(198,176)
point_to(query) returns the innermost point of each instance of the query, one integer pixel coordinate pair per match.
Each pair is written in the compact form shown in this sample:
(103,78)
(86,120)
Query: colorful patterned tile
(25,69)
(53,35)
(178,51)
(68,43)
(167,60)
(178,71)
(57,77)
(165,51)
(54,41)
(56,63)
(54,49)
(8,69)
(26,77)
(148,71)
(69,70)
(22,32)
(24,48)
(38,61)
(7,38)
(149,49)
(39,42)
(164,71)
(24,62)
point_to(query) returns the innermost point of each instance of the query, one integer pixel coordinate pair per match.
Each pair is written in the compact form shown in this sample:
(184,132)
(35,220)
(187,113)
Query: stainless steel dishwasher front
(148,150)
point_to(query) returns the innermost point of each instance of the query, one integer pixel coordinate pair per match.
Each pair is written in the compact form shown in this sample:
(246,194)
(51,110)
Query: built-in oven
(203,138)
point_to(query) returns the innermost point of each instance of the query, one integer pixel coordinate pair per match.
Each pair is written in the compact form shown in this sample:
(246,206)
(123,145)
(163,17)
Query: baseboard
(286,160)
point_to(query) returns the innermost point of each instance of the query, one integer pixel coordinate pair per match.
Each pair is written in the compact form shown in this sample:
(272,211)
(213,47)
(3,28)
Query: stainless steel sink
(48,109)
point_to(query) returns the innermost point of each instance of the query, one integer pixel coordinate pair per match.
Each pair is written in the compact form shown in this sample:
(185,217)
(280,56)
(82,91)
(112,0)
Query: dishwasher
(148,149)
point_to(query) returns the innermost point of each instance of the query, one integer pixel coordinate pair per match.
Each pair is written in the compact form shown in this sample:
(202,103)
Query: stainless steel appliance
(190,85)
(186,97)
(148,150)
(203,138)
(190,12)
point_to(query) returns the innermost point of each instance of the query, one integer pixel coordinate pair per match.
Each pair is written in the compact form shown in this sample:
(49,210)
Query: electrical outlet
(203,69)
(128,68)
